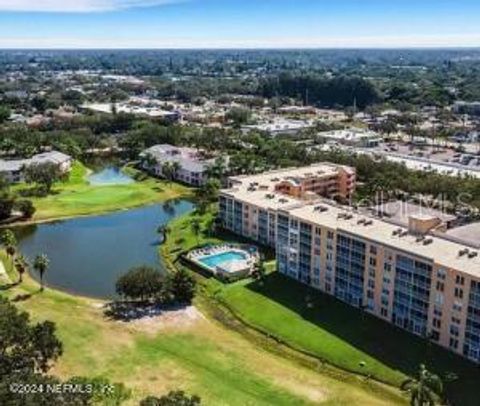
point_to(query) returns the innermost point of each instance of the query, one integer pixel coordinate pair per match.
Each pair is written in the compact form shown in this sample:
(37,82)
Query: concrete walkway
(3,273)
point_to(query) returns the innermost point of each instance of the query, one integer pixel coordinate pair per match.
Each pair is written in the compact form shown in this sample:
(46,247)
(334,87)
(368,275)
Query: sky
(239,23)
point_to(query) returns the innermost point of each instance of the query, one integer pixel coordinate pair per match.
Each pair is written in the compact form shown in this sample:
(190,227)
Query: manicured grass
(76,197)
(330,330)
(205,358)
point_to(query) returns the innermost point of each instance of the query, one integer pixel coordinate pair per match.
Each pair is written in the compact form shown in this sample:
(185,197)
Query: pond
(110,175)
(88,254)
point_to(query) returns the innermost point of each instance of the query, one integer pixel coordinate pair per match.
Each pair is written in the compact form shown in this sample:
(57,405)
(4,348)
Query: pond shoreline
(89,253)
(78,198)
(33,222)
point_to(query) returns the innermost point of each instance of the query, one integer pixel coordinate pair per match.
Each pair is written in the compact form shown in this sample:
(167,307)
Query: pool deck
(230,267)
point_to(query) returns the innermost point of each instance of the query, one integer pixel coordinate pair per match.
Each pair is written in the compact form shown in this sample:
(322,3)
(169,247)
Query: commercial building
(280,127)
(472,108)
(12,170)
(424,282)
(352,137)
(189,165)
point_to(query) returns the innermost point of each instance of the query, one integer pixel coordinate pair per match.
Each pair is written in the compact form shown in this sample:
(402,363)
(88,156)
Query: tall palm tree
(196,228)
(9,241)
(175,168)
(21,265)
(425,389)
(41,264)
(163,230)
(259,272)
(167,170)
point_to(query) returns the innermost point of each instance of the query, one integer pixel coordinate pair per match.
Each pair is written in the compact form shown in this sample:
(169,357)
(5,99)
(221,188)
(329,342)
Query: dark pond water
(88,254)
(110,175)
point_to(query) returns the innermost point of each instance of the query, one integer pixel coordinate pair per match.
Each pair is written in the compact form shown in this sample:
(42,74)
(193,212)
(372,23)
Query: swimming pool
(215,260)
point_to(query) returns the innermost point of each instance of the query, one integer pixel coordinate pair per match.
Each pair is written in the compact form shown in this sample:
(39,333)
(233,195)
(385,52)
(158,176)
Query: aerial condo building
(410,275)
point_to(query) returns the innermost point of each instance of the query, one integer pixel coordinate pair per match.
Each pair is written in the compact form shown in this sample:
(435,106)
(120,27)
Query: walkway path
(3,273)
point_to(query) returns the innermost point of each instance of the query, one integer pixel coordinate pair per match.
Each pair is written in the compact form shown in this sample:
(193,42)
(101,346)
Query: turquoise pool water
(216,259)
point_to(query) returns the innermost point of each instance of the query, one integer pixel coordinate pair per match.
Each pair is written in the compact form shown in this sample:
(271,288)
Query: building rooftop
(52,156)
(432,248)
(280,125)
(443,249)
(400,211)
(266,181)
(188,158)
(468,232)
(14,165)
(351,135)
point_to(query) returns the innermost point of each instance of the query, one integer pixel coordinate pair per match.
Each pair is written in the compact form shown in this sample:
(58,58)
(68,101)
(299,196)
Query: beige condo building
(420,281)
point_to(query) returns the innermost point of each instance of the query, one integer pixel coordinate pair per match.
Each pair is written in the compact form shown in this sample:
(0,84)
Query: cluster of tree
(321,90)
(10,202)
(44,175)
(207,194)
(238,116)
(396,179)
(173,398)
(74,137)
(146,284)
(28,351)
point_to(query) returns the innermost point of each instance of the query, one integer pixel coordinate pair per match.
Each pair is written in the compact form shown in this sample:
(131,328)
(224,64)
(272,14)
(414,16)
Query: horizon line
(247,48)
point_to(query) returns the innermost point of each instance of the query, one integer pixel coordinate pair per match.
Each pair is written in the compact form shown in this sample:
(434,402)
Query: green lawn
(76,197)
(332,331)
(204,358)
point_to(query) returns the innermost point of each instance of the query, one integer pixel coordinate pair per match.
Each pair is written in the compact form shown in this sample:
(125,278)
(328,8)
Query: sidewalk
(3,273)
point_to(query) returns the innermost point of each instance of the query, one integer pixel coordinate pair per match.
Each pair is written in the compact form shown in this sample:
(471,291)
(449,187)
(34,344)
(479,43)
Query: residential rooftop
(433,248)
(266,181)
(443,249)
(401,211)
(188,158)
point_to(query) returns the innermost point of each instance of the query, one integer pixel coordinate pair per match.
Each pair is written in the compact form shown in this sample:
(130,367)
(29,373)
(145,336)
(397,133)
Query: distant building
(297,110)
(280,127)
(13,170)
(472,108)
(192,165)
(355,137)
(465,137)
(138,110)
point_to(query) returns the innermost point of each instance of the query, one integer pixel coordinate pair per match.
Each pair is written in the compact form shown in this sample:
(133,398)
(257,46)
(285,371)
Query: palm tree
(21,265)
(259,272)
(175,168)
(196,228)
(9,241)
(163,230)
(217,169)
(425,389)
(41,264)
(167,170)
(148,161)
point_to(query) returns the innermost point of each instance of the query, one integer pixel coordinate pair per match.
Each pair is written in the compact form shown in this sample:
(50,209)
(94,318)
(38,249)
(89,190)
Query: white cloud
(77,6)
